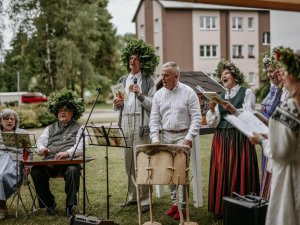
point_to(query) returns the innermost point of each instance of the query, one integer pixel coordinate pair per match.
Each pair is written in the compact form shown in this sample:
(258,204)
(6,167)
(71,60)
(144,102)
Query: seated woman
(8,160)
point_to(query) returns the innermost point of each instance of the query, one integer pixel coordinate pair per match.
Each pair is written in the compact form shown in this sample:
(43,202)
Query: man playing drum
(176,111)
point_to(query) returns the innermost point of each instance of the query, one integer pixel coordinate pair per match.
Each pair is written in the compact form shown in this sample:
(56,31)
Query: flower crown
(289,59)
(148,59)
(67,100)
(236,73)
(269,61)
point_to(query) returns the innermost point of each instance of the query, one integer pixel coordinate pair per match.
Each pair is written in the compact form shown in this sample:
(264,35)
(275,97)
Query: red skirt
(233,168)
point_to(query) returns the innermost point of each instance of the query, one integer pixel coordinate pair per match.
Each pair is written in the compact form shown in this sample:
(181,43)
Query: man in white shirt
(176,112)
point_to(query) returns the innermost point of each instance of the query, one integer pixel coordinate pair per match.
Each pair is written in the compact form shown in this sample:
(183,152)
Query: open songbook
(16,140)
(247,123)
(211,95)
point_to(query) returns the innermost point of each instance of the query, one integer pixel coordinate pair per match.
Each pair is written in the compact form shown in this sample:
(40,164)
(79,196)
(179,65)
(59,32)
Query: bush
(28,118)
(44,117)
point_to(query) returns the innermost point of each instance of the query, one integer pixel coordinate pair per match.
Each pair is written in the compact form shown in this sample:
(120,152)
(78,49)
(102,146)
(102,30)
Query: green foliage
(148,59)
(61,44)
(263,76)
(28,118)
(44,117)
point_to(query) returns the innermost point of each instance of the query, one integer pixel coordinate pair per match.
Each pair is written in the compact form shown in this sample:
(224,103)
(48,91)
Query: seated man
(60,141)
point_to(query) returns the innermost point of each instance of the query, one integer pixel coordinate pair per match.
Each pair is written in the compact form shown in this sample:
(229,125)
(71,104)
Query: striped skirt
(8,176)
(233,168)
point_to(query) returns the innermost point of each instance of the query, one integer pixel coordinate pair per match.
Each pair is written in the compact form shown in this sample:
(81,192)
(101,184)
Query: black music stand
(109,137)
(16,142)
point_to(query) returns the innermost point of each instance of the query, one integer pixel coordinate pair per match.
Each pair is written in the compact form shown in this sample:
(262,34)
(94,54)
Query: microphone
(135,80)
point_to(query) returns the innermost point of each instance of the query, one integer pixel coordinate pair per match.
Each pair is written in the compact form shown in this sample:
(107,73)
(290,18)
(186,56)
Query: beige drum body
(162,164)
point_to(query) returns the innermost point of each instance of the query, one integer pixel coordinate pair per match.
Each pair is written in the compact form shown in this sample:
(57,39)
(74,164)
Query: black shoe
(129,203)
(145,208)
(69,211)
(51,210)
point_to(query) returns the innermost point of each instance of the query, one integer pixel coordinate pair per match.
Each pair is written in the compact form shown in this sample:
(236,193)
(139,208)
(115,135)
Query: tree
(71,44)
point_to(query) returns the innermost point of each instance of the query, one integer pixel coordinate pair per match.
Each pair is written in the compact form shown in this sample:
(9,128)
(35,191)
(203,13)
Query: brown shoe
(145,208)
(172,211)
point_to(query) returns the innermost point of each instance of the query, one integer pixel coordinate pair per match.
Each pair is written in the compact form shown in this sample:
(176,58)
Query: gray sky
(122,12)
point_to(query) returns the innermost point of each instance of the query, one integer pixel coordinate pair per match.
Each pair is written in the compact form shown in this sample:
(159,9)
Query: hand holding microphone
(136,87)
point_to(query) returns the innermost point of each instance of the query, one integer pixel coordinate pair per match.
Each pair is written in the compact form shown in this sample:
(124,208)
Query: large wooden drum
(162,164)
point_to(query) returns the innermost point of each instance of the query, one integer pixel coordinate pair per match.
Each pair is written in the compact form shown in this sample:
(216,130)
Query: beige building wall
(140,23)
(157,33)
(246,37)
(205,37)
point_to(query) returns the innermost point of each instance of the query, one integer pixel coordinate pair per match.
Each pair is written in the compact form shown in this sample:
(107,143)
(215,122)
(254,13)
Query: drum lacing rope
(149,170)
(172,169)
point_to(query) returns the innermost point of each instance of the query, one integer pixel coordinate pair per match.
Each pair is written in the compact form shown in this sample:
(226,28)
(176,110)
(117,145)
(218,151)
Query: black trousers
(41,176)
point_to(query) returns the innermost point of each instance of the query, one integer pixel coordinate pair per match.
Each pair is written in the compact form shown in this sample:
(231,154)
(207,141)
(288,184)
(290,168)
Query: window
(208,22)
(157,50)
(142,31)
(251,51)
(237,51)
(251,78)
(156,26)
(208,51)
(250,23)
(237,23)
(266,38)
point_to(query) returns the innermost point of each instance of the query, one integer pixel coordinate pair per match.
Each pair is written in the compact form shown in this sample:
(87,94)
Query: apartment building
(197,36)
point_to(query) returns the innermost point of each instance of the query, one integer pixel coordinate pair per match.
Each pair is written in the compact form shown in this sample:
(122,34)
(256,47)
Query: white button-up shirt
(132,106)
(175,109)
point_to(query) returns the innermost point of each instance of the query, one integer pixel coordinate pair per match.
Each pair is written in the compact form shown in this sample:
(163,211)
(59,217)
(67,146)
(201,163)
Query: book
(16,140)
(247,123)
(211,96)
(118,91)
(109,136)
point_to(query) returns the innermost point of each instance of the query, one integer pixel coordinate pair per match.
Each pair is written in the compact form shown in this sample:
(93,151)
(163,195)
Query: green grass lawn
(96,187)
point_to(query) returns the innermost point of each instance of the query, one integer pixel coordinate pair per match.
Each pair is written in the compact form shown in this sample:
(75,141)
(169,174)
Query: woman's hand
(211,106)
(229,107)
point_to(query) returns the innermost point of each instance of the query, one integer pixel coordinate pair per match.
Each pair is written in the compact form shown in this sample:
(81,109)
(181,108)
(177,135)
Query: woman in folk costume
(233,163)
(11,171)
(268,106)
(283,146)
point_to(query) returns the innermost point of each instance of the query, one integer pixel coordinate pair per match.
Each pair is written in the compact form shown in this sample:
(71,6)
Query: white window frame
(142,31)
(251,49)
(251,78)
(156,25)
(237,23)
(208,22)
(237,51)
(209,51)
(266,38)
(251,24)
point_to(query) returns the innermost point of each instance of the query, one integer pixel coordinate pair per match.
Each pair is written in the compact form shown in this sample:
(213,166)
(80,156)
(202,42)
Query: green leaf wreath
(148,59)
(66,99)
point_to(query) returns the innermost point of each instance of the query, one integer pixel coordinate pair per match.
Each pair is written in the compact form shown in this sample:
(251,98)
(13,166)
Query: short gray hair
(6,113)
(174,66)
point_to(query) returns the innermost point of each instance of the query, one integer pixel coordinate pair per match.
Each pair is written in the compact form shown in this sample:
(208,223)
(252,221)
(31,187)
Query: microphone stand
(83,150)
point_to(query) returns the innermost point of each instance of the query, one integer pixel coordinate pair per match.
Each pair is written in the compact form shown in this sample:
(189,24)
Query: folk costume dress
(233,163)
(268,106)
(284,140)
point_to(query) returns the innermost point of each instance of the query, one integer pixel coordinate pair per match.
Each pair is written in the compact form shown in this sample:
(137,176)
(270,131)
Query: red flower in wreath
(277,54)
